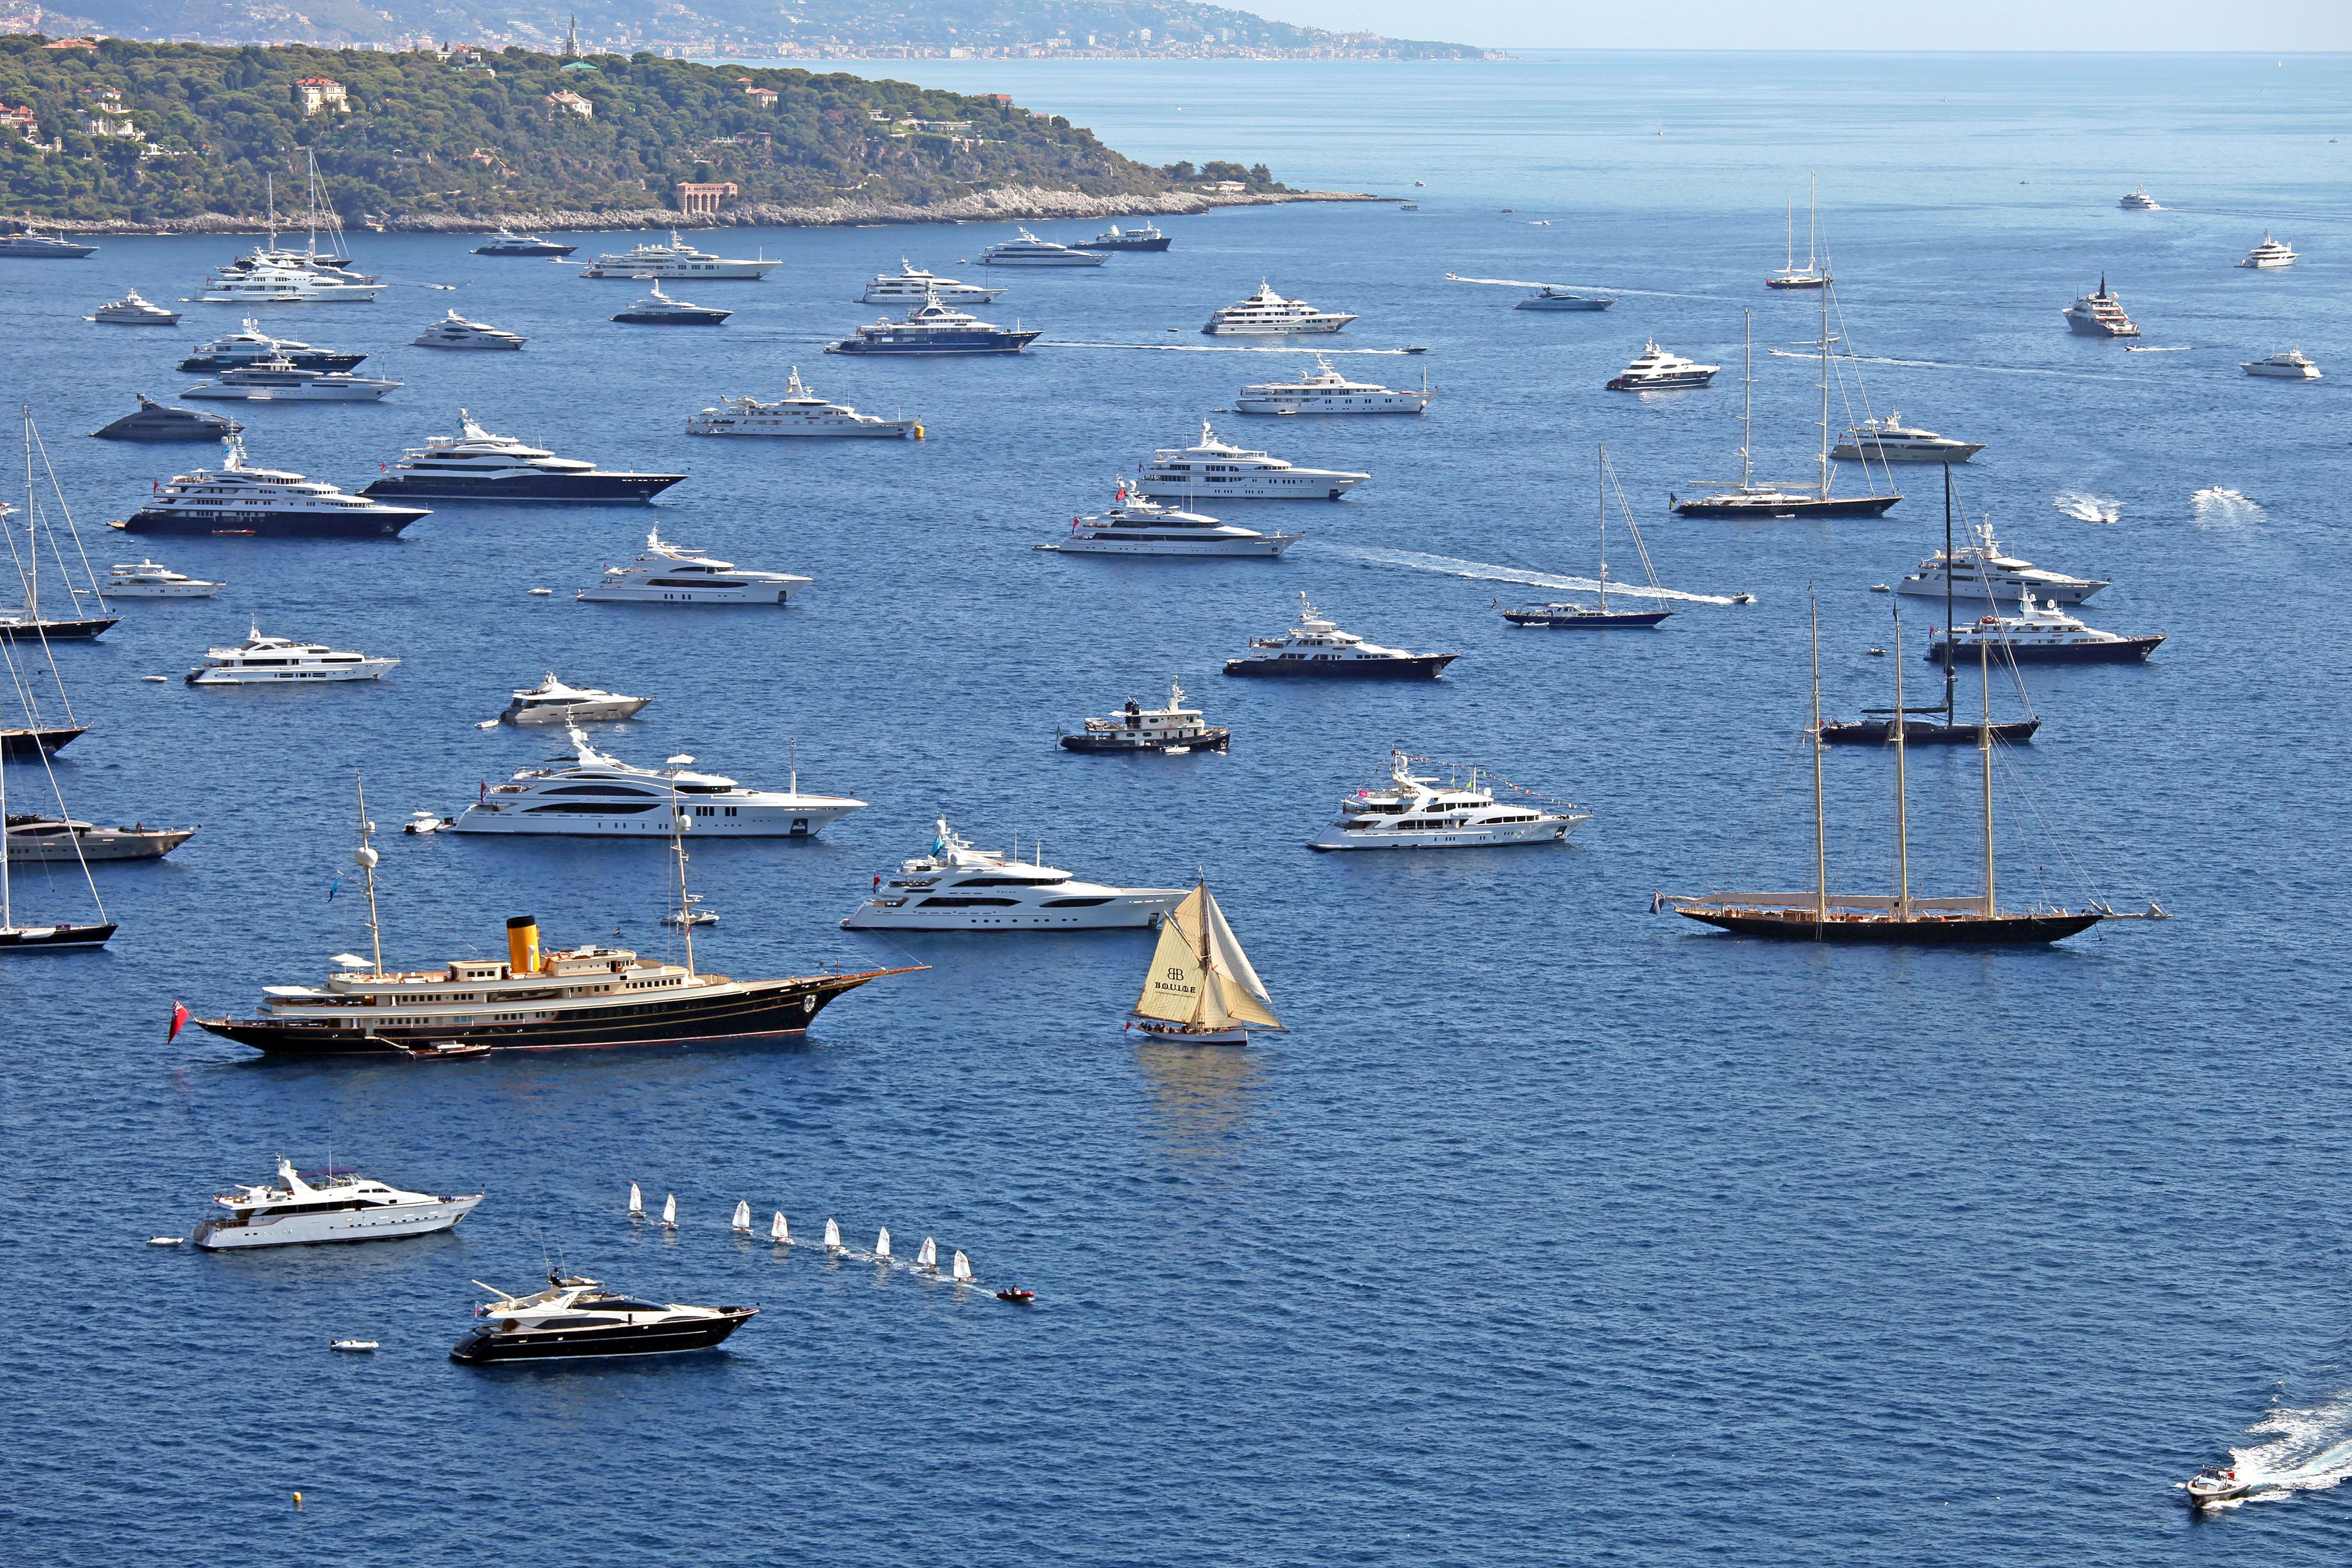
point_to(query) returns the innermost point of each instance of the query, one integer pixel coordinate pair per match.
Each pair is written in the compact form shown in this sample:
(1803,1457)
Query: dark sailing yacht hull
(53,938)
(2124,651)
(1923,732)
(82,630)
(1836,506)
(1214,739)
(1418,666)
(485,1344)
(593,487)
(784,1007)
(1588,620)
(1934,931)
(307,359)
(33,743)
(347,524)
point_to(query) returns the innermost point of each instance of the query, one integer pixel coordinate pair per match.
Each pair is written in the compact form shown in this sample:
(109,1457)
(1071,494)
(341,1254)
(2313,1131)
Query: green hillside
(190,130)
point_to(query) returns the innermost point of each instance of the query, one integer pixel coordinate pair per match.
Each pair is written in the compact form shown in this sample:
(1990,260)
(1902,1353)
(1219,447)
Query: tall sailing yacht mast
(365,857)
(15,938)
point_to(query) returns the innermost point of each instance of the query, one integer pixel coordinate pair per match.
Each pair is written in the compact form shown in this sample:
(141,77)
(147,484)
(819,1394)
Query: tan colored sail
(1235,990)
(1176,986)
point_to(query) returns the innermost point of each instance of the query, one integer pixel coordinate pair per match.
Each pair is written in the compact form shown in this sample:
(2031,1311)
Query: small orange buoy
(298,1500)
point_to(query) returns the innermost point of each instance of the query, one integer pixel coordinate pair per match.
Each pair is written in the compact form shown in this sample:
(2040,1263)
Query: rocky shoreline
(1008,204)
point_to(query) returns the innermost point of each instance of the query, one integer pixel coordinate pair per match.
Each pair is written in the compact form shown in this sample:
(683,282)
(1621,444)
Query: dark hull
(2127,651)
(675,318)
(169,425)
(1159,244)
(1942,931)
(1213,741)
(484,1345)
(1417,667)
(1836,506)
(1677,383)
(33,743)
(938,343)
(1788,283)
(784,1007)
(82,630)
(275,524)
(522,487)
(524,249)
(1596,621)
(54,939)
(1922,733)
(317,359)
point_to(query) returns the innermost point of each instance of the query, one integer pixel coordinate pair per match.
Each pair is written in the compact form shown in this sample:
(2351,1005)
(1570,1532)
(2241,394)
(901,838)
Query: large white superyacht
(280,661)
(800,412)
(1978,573)
(2100,315)
(958,888)
(329,1205)
(1133,526)
(239,500)
(1421,811)
(1030,251)
(676,575)
(474,465)
(676,260)
(1220,469)
(282,381)
(910,285)
(1325,391)
(270,284)
(1889,440)
(588,793)
(1267,312)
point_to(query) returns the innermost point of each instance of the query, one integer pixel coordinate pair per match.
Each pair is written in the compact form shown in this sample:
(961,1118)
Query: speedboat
(35,837)
(1325,391)
(910,285)
(1317,648)
(553,702)
(1550,299)
(576,1317)
(266,661)
(2215,1483)
(1148,237)
(1419,811)
(2290,366)
(676,260)
(658,309)
(1889,440)
(2270,253)
(474,465)
(933,328)
(1656,369)
(153,421)
(131,310)
(1173,729)
(1223,470)
(675,574)
(150,580)
(1134,526)
(959,887)
(1030,251)
(281,380)
(454,332)
(1267,312)
(523,245)
(332,1204)
(588,793)
(799,412)
(2039,633)
(31,244)
(2100,315)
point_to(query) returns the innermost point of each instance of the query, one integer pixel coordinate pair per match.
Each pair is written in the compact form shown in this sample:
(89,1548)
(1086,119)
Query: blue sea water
(1555,1231)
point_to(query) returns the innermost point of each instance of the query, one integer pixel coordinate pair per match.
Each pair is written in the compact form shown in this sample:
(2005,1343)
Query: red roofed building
(317,92)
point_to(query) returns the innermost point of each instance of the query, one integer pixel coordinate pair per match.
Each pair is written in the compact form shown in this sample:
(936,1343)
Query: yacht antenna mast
(1601,496)
(1821,823)
(1984,745)
(366,857)
(678,823)
(32,544)
(1747,407)
(1901,791)
(7,919)
(1984,569)
(1825,393)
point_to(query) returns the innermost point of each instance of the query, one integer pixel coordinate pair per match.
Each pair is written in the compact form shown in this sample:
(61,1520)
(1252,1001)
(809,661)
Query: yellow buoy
(918,432)
(298,1500)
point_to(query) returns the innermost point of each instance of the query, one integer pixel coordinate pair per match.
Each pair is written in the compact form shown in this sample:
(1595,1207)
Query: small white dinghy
(670,1212)
(636,1203)
(882,1244)
(742,1218)
(778,1231)
(351,1345)
(832,1237)
(165,1240)
(930,1257)
(962,1267)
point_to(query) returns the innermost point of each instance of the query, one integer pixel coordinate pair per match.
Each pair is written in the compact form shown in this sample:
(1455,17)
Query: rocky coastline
(1003,204)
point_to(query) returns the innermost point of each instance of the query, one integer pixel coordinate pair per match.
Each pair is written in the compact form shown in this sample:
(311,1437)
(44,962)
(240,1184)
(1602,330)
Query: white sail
(962,1267)
(637,1202)
(832,1237)
(778,1230)
(930,1257)
(743,1216)
(670,1211)
(1176,984)
(882,1244)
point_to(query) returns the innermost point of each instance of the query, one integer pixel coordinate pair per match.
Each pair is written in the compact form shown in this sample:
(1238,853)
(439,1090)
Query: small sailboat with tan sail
(1201,989)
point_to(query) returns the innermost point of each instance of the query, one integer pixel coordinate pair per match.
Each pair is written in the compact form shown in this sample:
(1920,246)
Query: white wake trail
(2219,508)
(2085,507)
(2311,1450)
(1485,571)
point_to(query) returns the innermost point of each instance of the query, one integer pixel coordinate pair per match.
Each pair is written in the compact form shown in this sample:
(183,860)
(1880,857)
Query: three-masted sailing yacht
(1600,616)
(1888,918)
(1201,989)
(1749,499)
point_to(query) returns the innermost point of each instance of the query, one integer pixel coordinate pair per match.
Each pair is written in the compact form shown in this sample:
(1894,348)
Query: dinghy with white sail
(962,1269)
(832,1237)
(930,1257)
(742,1217)
(670,1212)
(636,1203)
(1201,989)
(778,1232)
(882,1246)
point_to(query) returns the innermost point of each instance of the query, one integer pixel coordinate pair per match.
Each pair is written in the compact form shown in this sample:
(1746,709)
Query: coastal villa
(103,115)
(22,121)
(572,101)
(72,44)
(317,92)
(704,198)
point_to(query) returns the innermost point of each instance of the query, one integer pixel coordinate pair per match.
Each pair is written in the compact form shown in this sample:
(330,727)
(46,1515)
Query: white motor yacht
(2039,633)
(588,794)
(1980,574)
(1419,811)
(239,500)
(1889,440)
(278,661)
(327,1206)
(554,702)
(1325,391)
(2290,366)
(474,465)
(910,285)
(150,580)
(1223,470)
(676,260)
(1659,370)
(251,345)
(508,244)
(1030,251)
(454,332)
(799,412)
(131,310)
(658,309)
(1133,526)
(1148,237)
(2100,315)
(958,888)
(1267,312)
(2270,253)
(675,574)
(31,244)
(272,284)
(35,837)
(2138,201)
(576,1319)
(281,380)
(1317,648)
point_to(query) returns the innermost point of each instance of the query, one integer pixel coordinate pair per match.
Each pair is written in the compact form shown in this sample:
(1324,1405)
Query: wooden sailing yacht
(1201,989)
(1876,725)
(1601,617)
(1899,917)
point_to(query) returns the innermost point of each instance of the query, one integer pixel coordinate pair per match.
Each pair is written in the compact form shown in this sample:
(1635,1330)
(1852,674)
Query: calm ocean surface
(1556,1232)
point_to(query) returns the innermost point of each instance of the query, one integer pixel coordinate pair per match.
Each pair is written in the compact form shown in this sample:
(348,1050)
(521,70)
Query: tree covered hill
(151,132)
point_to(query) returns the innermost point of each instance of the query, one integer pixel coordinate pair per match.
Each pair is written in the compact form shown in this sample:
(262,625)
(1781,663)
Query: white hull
(1264,547)
(1966,596)
(2283,373)
(776,593)
(1291,484)
(749,822)
(389,1222)
(1876,452)
(1274,328)
(363,392)
(965,295)
(889,430)
(674,271)
(372,670)
(483,342)
(1548,830)
(1075,259)
(162,590)
(1132,912)
(577,712)
(1386,403)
